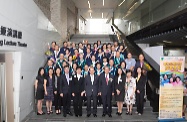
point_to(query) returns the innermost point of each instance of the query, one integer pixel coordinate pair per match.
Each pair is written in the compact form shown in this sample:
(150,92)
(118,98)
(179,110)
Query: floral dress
(129,91)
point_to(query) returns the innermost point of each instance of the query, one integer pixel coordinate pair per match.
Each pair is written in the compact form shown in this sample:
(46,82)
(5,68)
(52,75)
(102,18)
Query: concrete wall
(25,16)
(61,13)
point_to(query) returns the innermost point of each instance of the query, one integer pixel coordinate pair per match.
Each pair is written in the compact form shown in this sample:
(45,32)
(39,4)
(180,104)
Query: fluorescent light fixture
(89,4)
(90,15)
(103,2)
(102,15)
(165,41)
(121,3)
(133,6)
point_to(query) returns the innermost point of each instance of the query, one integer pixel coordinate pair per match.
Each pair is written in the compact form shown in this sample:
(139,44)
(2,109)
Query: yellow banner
(171,87)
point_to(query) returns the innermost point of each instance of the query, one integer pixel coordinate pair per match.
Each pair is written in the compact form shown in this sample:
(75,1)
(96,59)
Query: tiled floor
(148,116)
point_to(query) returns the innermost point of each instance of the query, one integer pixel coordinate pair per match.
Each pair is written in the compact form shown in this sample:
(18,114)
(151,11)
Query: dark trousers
(77,104)
(94,104)
(99,102)
(57,101)
(140,102)
(106,99)
(66,103)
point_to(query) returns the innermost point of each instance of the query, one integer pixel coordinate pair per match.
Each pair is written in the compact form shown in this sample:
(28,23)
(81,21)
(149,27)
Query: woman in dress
(130,88)
(140,90)
(49,96)
(56,87)
(39,88)
(120,91)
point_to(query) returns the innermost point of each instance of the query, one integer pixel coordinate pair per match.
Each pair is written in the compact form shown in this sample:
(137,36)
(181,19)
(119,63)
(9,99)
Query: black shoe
(40,114)
(95,115)
(88,115)
(64,115)
(76,115)
(80,115)
(70,113)
(109,115)
(103,115)
(117,113)
(127,113)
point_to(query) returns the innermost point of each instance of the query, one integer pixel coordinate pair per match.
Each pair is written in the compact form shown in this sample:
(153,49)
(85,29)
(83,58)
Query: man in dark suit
(106,90)
(65,91)
(78,92)
(140,64)
(91,89)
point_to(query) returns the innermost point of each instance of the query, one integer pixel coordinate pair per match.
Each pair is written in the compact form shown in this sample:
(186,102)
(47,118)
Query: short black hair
(78,67)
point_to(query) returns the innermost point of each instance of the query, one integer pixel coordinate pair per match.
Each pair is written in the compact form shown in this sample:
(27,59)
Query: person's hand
(46,93)
(118,92)
(99,94)
(131,68)
(61,94)
(138,91)
(55,92)
(131,97)
(112,93)
(85,94)
(73,94)
(82,93)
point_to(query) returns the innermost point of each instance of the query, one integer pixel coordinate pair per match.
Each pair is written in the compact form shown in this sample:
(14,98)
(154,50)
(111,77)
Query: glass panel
(134,15)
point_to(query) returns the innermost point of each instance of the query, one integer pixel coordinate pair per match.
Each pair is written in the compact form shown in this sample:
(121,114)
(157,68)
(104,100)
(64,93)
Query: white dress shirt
(78,76)
(92,78)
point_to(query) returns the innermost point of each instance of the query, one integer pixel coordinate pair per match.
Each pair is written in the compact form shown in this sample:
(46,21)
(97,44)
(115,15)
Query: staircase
(91,38)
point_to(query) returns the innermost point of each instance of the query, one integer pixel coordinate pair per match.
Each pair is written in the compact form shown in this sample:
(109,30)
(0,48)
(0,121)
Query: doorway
(6,88)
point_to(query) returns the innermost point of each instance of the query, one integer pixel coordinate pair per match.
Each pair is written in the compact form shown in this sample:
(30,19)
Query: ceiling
(96,8)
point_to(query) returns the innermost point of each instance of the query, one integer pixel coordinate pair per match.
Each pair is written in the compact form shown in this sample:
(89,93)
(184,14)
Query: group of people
(96,73)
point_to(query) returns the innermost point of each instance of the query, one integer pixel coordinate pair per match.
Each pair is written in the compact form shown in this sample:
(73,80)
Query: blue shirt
(130,63)
(164,81)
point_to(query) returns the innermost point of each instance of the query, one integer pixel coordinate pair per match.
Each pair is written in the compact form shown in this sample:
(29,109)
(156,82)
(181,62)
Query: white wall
(97,26)
(154,52)
(25,16)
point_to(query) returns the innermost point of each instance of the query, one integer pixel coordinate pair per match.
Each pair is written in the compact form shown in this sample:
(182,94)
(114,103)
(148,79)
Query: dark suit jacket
(59,83)
(140,85)
(89,86)
(103,87)
(65,88)
(77,85)
(121,85)
(136,67)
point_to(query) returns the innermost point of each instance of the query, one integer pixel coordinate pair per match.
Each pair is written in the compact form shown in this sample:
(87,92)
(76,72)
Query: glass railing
(134,15)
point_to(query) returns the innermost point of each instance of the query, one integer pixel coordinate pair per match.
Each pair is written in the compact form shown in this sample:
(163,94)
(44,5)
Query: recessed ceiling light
(121,3)
(103,2)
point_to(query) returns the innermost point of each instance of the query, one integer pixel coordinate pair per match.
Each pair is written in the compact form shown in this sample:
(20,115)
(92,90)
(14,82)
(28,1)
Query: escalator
(152,76)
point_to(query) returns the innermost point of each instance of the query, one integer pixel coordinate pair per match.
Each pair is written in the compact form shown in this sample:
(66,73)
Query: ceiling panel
(97,8)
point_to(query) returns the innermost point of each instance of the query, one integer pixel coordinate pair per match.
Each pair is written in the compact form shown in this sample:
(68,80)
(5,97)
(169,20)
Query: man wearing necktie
(65,91)
(106,90)
(78,92)
(91,89)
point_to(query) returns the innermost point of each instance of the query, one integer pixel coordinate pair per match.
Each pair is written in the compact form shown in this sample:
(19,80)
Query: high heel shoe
(39,113)
(130,113)
(48,112)
(117,113)
(127,113)
(51,112)
(120,114)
